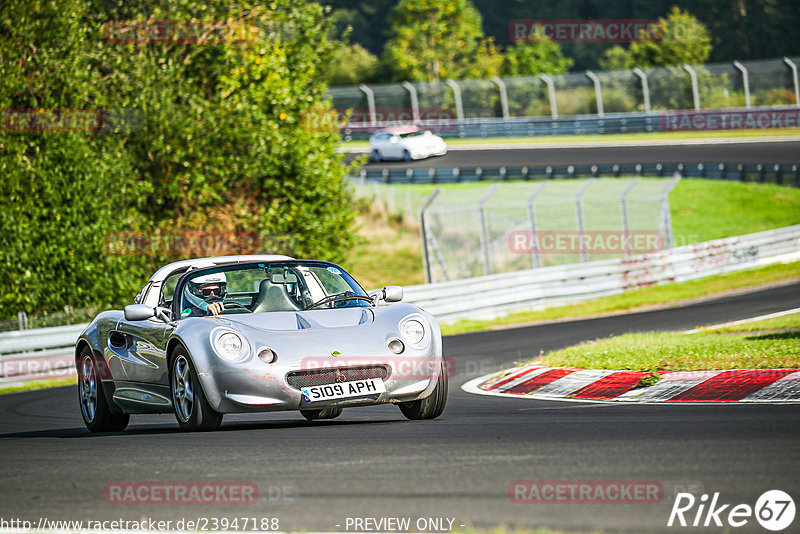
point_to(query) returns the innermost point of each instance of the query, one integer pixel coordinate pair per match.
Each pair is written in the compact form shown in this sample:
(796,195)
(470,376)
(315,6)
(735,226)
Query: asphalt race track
(373,463)
(783,152)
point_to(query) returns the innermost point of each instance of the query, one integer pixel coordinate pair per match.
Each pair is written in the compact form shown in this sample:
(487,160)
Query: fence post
(579,213)
(793,68)
(423,233)
(503,95)
(457,95)
(551,91)
(532,219)
(624,208)
(412,91)
(645,88)
(487,260)
(666,218)
(22,318)
(745,82)
(370,103)
(598,91)
(695,90)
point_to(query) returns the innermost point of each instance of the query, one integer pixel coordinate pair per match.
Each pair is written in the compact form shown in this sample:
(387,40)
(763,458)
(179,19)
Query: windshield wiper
(339,297)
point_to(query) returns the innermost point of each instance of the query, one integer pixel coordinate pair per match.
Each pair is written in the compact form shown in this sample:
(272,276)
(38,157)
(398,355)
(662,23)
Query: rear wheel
(375,156)
(430,407)
(325,413)
(192,410)
(94,407)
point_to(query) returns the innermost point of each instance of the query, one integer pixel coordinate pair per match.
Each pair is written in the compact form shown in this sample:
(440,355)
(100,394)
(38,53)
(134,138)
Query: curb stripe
(520,379)
(543,379)
(730,386)
(577,379)
(611,386)
(671,384)
(787,388)
(506,379)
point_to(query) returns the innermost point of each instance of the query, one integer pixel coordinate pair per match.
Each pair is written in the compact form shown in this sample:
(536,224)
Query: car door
(141,348)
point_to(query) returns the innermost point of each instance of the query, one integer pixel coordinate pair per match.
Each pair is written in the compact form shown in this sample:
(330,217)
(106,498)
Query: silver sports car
(258,333)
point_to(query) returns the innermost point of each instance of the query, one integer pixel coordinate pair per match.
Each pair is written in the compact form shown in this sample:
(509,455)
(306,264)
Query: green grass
(766,344)
(787,322)
(655,136)
(640,299)
(39,384)
(672,351)
(703,210)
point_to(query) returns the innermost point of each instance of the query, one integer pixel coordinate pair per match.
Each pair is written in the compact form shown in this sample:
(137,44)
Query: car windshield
(270,287)
(411,134)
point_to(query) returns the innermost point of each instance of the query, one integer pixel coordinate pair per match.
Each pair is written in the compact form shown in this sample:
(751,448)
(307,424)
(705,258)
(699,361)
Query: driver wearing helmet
(205,294)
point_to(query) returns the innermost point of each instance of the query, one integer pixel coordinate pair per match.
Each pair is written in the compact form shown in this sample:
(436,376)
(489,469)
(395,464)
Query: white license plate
(343,390)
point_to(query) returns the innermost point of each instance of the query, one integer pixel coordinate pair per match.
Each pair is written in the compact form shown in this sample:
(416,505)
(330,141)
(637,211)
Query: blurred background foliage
(209,136)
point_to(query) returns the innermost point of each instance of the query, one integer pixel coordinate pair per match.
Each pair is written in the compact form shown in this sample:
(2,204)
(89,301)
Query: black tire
(192,410)
(406,155)
(430,407)
(325,413)
(375,156)
(96,413)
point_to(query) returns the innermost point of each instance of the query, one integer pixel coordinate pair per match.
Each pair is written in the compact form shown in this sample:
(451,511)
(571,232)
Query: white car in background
(405,143)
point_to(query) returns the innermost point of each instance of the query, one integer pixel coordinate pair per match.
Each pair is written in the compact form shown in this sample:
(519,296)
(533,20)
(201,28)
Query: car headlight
(230,346)
(413,331)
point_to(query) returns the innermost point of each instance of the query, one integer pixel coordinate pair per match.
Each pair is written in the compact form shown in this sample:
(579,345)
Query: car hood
(303,320)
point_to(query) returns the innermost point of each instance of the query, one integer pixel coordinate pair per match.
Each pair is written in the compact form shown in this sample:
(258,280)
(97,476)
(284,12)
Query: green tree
(351,64)
(433,40)
(227,136)
(683,39)
(539,57)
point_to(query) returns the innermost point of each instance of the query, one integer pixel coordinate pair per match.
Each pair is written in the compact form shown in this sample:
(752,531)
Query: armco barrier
(38,353)
(487,297)
(775,173)
(49,352)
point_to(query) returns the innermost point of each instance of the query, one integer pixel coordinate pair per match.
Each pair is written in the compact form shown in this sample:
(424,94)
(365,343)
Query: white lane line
(671,384)
(742,321)
(573,382)
(785,389)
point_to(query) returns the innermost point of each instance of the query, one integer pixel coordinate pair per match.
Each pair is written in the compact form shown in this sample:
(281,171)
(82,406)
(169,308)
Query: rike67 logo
(774,510)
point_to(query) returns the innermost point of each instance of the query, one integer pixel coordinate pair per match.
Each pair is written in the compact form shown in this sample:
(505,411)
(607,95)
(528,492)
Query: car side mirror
(139,312)
(394,140)
(392,294)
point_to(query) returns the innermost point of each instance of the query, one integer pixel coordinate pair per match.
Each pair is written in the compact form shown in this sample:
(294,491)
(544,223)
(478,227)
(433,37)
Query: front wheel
(325,413)
(430,407)
(192,410)
(406,155)
(94,407)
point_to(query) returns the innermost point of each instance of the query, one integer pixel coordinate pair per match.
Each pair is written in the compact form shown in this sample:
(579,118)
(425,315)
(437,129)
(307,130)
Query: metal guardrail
(27,355)
(38,353)
(775,173)
(487,297)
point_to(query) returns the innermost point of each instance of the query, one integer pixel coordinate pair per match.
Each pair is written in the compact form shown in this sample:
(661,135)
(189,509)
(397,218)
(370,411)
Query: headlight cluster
(230,346)
(414,332)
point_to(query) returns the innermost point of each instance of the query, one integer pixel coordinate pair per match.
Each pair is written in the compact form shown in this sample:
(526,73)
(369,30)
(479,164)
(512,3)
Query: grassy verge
(641,299)
(39,384)
(652,136)
(774,345)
